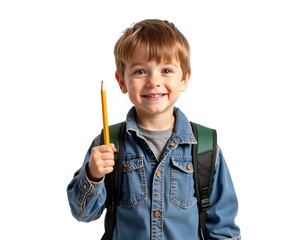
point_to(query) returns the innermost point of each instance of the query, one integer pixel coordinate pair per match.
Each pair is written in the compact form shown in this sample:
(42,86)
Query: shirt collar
(182,132)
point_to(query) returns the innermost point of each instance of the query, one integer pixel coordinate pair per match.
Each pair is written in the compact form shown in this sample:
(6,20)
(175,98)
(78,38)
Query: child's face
(153,87)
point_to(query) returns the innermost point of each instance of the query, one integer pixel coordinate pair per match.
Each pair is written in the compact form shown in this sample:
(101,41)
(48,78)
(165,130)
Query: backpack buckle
(205,204)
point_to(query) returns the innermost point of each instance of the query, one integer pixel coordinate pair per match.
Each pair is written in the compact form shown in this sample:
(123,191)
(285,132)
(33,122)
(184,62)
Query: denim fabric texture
(158,196)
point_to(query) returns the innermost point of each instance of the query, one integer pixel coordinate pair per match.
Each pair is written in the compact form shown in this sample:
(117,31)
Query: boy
(153,68)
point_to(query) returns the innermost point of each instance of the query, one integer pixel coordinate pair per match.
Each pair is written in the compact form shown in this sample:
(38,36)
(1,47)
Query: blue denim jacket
(158,197)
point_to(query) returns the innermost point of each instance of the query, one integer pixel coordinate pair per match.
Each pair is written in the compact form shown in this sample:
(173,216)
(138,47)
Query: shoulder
(96,141)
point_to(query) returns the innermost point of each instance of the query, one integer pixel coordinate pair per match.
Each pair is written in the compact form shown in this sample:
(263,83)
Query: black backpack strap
(204,157)
(113,180)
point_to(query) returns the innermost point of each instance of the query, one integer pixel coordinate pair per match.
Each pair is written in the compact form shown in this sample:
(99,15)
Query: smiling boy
(158,199)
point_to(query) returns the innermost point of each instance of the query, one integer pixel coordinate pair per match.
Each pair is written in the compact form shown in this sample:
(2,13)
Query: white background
(249,74)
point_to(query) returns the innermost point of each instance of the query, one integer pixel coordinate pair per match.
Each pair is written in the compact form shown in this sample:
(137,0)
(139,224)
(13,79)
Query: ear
(121,82)
(185,81)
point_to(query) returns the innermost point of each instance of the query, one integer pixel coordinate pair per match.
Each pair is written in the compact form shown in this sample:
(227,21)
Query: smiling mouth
(155,95)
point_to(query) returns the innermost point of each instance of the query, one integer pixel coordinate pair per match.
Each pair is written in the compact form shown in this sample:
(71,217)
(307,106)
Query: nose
(153,81)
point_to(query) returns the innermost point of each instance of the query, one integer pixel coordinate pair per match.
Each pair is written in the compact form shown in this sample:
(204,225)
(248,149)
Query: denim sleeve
(86,198)
(220,222)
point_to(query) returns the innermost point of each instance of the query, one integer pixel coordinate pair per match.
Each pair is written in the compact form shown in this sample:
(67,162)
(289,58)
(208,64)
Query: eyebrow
(162,62)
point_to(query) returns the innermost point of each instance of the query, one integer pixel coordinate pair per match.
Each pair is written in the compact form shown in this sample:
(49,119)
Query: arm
(220,222)
(86,198)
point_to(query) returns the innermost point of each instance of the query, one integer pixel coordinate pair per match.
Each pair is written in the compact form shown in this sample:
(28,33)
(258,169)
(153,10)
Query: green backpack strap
(204,158)
(204,136)
(113,180)
(114,133)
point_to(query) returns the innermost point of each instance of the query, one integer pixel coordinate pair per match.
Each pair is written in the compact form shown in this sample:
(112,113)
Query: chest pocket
(133,181)
(182,182)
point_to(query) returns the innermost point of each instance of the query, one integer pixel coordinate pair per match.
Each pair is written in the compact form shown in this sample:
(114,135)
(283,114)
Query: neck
(156,123)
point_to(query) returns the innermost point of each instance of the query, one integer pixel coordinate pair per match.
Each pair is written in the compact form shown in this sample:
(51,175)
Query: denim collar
(182,132)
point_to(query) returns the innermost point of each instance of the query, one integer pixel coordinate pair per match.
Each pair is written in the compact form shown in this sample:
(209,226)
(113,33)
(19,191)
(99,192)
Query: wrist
(90,176)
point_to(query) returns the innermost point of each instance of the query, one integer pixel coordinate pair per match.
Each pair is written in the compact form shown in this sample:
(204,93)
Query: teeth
(154,95)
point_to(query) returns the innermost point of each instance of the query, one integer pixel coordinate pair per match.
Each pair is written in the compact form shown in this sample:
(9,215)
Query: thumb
(113,147)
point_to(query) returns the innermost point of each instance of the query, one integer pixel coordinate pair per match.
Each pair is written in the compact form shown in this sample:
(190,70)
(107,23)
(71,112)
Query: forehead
(143,52)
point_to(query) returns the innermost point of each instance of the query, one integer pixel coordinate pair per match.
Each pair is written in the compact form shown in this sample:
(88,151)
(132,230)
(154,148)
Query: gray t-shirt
(156,139)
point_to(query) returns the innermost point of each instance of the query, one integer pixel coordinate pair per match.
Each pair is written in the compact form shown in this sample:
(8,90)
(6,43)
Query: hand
(101,162)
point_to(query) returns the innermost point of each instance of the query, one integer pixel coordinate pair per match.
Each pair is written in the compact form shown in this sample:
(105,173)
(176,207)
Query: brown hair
(161,39)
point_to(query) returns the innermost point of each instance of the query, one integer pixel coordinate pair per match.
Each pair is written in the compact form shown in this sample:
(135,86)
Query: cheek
(133,88)
(133,91)
(175,86)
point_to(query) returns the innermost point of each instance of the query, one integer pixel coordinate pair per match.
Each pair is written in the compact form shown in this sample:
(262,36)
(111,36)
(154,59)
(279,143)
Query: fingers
(101,161)
(106,167)
(105,148)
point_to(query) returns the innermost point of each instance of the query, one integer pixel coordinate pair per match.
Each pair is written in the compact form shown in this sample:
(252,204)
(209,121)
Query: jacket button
(189,166)
(84,186)
(158,174)
(157,214)
(172,144)
(126,164)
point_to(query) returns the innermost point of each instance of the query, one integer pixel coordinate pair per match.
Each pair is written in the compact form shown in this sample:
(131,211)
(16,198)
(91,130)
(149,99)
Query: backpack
(204,156)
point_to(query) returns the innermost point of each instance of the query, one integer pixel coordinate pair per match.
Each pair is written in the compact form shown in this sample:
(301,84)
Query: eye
(140,71)
(166,70)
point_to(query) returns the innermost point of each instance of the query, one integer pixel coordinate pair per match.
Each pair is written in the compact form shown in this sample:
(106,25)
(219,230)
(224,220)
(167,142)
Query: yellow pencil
(105,116)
